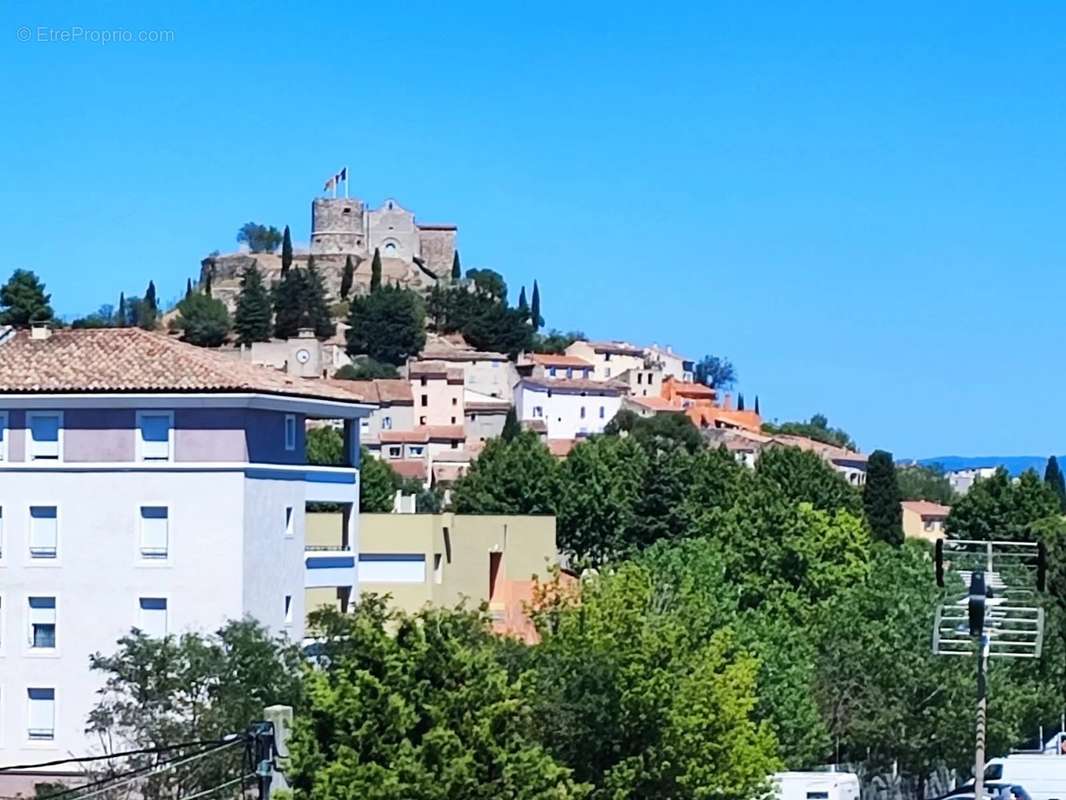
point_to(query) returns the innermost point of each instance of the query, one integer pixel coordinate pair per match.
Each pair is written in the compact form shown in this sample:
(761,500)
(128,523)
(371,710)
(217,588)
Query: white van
(817,786)
(1042,776)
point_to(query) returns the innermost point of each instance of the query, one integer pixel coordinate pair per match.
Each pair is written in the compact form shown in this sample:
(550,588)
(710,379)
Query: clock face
(303,356)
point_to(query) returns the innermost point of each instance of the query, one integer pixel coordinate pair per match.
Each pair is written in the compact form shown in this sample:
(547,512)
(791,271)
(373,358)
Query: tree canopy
(387,325)
(919,482)
(203,321)
(817,428)
(23,300)
(253,319)
(716,371)
(881,499)
(518,476)
(260,238)
(999,508)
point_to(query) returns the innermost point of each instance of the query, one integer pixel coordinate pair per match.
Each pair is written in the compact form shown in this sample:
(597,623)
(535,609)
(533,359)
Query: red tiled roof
(428,369)
(693,390)
(424,433)
(410,468)
(655,403)
(387,391)
(134,360)
(560,448)
(926,508)
(556,360)
(573,385)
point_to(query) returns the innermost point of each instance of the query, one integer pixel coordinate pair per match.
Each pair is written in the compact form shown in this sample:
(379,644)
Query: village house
(608,359)
(567,408)
(924,520)
(437,390)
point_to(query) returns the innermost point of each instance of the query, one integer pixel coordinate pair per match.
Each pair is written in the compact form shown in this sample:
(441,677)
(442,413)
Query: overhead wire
(124,754)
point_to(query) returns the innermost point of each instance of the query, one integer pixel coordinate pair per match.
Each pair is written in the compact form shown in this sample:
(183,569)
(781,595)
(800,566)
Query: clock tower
(304,356)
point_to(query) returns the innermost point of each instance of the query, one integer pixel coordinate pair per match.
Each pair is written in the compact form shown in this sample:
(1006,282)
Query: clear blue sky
(862,208)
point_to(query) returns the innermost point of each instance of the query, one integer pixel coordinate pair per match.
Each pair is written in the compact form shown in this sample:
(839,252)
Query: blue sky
(861,207)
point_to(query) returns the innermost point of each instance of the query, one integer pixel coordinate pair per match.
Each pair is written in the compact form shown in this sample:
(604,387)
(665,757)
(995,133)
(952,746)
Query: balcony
(327,566)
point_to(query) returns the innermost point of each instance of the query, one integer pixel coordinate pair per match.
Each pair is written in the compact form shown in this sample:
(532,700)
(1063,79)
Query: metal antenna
(991,609)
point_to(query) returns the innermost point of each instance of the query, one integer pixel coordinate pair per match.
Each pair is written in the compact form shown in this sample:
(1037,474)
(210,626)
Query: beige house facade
(608,359)
(924,520)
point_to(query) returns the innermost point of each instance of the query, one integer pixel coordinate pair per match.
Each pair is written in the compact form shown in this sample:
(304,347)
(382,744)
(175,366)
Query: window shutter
(42,713)
(44,436)
(155,437)
(154,531)
(44,532)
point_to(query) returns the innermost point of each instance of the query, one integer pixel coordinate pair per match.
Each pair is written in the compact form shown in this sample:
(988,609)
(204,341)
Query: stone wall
(338,226)
(437,248)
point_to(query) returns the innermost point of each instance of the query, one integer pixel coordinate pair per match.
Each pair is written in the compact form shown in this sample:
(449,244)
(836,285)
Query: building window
(421,420)
(155,534)
(455,445)
(155,432)
(288,609)
(416,450)
(422,381)
(290,431)
(607,372)
(425,400)
(453,420)
(1,535)
(582,412)
(3,436)
(42,633)
(549,393)
(386,423)
(44,432)
(538,412)
(42,714)
(438,568)
(152,617)
(395,452)
(640,378)
(455,401)
(44,531)
(603,412)
(289,521)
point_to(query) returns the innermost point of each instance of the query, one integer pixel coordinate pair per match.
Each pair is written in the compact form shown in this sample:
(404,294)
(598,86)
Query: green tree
(641,689)
(289,297)
(23,300)
(716,371)
(364,369)
(418,706)
(601,482)
(259,238)
(150,307)
(286,252)
(817,428)
(1053,478)
(523,304)
(347,277)
(253,317)
(163,691)
(457,269)
(661,430)
(325,446)
(122,312)
(510,477)
(802,476)
(377,485)
(555,341)
(881,498)
(756,404)
(740,402)
(188,287)
(535,318)
(488,282)
(387,325)
(997,508)
(375,271)
(207,282)
(917,482)
(103,317)
(315,312)
(511,428)
(204,321)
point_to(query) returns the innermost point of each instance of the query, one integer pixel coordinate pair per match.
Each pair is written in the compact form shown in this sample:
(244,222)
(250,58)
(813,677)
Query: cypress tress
(315,311)
(253,318)
(286,251)
(1053,477)
(375,271)
(523,306)
(534,308)
(188,288)
(149,308)
(347,277)
(511,428)
(756,404)
(120,315)
(881,498)
(457,270)
(740,401)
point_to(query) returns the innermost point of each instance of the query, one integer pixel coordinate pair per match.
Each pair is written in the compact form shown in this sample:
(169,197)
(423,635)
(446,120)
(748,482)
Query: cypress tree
(120,315)
(534,308)
(457,270)
(149,308)
(1053,477)
(740,401)
(881,498)
(288,304)
(375,271)
(207,283)
(188,288)
(523,306)
(756,404)
(315,311)
(252,320)
(347,277)
(286,252)
(511,428)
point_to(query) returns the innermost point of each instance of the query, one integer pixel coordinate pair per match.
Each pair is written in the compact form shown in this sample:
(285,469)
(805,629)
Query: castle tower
(338,226)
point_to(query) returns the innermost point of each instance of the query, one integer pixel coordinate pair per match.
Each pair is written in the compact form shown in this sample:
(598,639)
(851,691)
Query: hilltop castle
(413,254)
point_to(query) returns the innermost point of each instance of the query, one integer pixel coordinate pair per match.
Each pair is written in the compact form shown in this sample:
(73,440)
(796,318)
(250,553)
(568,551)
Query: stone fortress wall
(413,255)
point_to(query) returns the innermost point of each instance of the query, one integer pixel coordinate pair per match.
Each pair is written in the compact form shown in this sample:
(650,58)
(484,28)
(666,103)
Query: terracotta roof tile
(654,403)
(572,385)
(409,468)
(560,448)
(134,360)
(926,508)
(556,360)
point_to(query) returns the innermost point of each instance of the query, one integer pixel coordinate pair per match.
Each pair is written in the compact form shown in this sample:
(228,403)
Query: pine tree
(523,305)
(252,321)
(286,252)
(756,404)
(316,304)
(188,288)
(1053,477)
(347,277)
(457,270)
(534,308)
(740,402)
(148,311)
(511,428)
(375,271)
(23,300)
(121,318)
(881,498)
(207,283)
(288,304)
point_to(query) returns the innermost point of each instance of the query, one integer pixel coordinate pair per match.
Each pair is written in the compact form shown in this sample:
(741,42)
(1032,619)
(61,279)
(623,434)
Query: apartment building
(567,409)
(147,484)
(437,390)
(483,371)
(554,365)
(608,359)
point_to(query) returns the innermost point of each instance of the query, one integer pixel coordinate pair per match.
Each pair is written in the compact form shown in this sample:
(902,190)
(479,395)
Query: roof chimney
(40,331)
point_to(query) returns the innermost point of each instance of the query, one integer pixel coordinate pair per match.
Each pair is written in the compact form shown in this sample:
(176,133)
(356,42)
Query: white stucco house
(568,408)
(151,484)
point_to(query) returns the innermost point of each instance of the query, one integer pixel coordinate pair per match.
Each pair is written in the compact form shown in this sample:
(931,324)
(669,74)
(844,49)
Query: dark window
(425,400)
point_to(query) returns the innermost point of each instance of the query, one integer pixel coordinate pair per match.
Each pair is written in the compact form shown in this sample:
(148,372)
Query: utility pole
(261,736)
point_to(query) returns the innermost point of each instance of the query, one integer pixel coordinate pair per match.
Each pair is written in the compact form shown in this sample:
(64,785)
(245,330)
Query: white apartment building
(567,408)
(145,483)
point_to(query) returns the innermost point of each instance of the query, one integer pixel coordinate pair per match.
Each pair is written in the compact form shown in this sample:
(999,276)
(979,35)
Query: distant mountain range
(1015,465)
